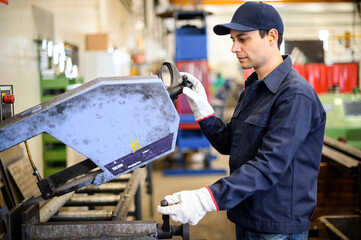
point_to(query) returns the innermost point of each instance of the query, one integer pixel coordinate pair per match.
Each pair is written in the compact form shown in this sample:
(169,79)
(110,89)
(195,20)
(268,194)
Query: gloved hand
(189,206)
(197,98)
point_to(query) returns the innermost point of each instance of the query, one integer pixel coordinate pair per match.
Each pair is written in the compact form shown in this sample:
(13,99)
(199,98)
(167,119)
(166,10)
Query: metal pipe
(93,200)
(126,198)
(89,215)
(124,177)
(52,206)
(104,188)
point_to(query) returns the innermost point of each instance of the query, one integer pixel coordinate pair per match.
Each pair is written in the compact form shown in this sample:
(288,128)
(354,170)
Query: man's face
(251,50)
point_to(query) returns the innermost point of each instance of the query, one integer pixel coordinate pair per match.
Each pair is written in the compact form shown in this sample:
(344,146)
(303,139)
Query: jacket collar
(275,78)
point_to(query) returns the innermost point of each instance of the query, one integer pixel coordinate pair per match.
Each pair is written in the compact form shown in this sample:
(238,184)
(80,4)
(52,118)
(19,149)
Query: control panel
(7,102)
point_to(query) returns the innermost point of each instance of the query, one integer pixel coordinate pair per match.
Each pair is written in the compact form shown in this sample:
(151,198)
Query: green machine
(343,117)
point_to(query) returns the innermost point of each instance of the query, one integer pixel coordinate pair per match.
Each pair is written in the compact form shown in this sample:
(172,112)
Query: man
(274,138)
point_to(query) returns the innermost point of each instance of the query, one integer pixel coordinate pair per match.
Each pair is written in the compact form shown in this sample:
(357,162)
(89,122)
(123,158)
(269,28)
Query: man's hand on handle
(189,206)
(197,98)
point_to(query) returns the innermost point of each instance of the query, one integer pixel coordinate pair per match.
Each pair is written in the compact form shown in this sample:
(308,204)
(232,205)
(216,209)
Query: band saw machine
(119,124)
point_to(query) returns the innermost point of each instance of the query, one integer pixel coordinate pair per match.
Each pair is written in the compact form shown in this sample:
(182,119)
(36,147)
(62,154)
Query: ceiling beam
(223,2)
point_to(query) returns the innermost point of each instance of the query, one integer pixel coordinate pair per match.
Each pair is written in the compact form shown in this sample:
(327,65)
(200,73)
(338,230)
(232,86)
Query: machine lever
(174,88)
(178,89)
(165,218)
(166,231)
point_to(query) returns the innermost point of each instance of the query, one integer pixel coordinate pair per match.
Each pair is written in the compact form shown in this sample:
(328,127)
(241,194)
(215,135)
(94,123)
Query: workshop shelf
(51,85)
(54,151)
(50,171)
(50,139)
(191,56)
(59,83)
(55,155)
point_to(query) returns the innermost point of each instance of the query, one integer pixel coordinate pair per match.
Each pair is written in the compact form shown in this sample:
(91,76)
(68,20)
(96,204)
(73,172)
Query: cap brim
(223,29)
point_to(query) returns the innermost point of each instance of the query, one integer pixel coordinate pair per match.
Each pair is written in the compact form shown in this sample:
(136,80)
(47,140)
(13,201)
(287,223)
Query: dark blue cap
(252,16)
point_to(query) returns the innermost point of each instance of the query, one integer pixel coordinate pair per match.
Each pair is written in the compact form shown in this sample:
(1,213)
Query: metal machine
(119,124)
(343,117)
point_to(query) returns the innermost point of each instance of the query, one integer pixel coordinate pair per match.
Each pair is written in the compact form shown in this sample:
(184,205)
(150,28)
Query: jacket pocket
(237,110)
(257,120)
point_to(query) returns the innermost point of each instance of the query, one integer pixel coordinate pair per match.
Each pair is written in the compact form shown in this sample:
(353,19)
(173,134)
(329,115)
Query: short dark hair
(263,33)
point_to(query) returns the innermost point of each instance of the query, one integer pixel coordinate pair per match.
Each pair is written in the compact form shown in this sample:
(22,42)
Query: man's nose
(236,48)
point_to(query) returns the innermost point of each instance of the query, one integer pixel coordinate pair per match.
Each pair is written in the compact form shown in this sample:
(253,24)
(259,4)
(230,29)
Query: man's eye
(242,39)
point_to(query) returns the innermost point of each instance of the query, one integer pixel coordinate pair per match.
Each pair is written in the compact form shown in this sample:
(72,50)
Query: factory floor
(214,226)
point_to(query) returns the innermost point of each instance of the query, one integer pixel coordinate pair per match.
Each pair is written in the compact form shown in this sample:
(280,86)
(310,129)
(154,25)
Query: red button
(8,99)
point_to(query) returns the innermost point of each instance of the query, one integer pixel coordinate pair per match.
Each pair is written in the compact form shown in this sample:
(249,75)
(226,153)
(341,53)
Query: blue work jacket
(274,140)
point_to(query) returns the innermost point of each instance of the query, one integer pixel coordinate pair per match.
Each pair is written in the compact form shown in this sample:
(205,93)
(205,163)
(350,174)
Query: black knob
(164,203)
(178,89)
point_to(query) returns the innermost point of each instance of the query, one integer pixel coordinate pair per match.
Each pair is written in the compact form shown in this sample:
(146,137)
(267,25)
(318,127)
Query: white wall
(118,21)
(18,61)
(72,20)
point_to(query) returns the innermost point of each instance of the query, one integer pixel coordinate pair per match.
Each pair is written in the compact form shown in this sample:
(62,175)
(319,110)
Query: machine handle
(173,71)
(166,231)
(175,88)
(165,218)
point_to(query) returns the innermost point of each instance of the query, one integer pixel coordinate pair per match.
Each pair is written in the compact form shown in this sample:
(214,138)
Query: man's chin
(244,66)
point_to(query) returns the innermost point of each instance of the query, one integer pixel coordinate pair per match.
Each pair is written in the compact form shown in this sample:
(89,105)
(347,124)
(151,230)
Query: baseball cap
(252,16)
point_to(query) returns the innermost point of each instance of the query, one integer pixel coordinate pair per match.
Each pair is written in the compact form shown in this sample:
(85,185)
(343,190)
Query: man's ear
(273,35)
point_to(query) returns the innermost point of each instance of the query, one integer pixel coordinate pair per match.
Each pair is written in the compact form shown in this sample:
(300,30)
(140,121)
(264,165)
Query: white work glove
(197,98)
(189,206)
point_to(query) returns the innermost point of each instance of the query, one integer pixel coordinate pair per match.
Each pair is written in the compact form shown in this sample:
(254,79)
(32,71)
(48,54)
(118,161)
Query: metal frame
(156,130)
(24,222)
(105,230)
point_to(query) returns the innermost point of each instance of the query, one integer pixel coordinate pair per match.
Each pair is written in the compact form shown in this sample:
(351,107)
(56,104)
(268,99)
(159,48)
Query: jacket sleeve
(218,133)
(288,127)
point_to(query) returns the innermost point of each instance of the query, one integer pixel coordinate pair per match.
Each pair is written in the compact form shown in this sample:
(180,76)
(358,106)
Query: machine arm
(103,120)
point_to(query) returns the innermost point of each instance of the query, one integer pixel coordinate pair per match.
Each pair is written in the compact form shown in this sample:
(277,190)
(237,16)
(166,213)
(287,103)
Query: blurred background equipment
(194,154)
(7,102)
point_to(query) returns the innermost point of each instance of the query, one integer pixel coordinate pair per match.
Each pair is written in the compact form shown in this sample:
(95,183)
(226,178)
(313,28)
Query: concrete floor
(214,226)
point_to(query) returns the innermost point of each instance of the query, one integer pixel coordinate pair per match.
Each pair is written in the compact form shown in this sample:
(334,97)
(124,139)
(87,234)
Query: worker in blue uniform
(274,138)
